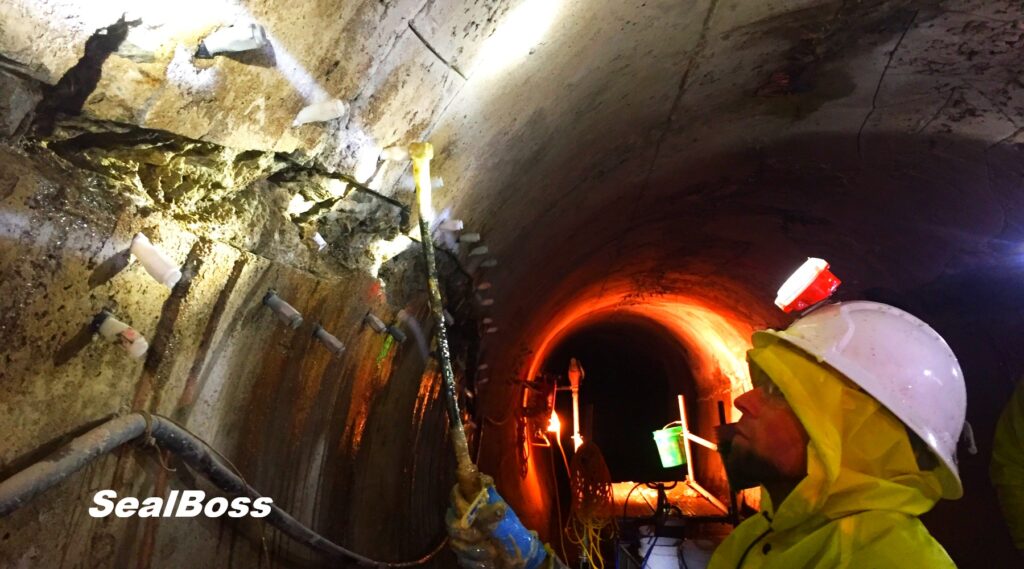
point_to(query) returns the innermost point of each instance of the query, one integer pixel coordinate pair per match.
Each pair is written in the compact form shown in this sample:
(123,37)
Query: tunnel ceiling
(709,147)
(658,146)
(611,153)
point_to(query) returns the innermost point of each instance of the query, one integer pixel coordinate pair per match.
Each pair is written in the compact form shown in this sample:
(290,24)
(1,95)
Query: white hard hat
(901,362)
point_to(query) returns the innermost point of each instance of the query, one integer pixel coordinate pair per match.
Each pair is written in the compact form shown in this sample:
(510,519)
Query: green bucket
(669,449)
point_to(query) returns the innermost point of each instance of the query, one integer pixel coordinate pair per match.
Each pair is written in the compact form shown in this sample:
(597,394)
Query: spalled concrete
(221,364)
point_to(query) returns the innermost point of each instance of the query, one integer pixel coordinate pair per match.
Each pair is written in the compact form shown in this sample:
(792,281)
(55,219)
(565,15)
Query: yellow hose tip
(421,151)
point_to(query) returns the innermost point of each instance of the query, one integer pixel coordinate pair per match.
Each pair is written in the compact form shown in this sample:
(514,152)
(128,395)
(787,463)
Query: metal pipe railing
(687,438)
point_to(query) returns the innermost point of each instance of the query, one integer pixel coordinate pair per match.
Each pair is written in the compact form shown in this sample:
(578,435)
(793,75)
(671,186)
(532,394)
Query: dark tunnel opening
(634,370)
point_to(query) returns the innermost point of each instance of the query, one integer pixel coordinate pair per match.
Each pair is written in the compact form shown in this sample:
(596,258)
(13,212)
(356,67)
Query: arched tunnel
(622,182)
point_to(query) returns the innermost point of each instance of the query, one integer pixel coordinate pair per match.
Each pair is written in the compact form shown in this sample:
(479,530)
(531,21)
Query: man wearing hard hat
(851,431)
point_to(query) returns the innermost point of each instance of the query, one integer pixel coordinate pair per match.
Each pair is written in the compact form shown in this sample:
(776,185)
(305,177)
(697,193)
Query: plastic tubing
(157,264)
(321,112)
(26,484)
(452,225)
(328,340)
(395,153)
(284,311)
(233,39)
(397,333)
(113,330)
(376,324)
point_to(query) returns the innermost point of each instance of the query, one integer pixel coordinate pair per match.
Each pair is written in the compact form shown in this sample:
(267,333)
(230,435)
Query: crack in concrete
(996,107)
(19,70)
(73,89)
(691,64)
(379,62)
(938,111)
(193,384)
(1013,134)
(440,57)
(881,79)
(698,50)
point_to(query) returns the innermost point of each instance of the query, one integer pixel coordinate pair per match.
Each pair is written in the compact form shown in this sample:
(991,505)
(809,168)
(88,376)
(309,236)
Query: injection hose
(20,488)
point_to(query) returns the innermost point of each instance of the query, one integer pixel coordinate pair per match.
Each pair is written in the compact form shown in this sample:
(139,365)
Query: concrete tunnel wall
(341,443)
(669,160)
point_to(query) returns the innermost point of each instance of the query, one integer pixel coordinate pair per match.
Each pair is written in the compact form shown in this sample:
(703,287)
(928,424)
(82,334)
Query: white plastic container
(395,153)
(157,264)
(452,225)
(408,184)
(320,241)
(321,112)
(665,553)
(233,39)
(113,330)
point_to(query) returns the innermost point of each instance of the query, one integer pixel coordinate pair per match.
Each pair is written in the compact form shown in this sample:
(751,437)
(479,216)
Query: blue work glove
(486,534)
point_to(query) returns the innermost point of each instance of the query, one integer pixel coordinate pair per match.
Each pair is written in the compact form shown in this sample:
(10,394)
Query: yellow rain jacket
(858,505)
(1008,464)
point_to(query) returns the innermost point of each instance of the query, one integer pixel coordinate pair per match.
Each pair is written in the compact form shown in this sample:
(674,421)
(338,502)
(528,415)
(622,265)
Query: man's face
(768,445)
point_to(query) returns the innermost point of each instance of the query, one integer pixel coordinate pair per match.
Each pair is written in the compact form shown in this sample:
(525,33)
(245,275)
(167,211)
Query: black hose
(466,472)
(17,490)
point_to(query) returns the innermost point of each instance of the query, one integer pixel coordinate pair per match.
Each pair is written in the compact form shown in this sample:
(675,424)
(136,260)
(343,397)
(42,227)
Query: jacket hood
(859,455)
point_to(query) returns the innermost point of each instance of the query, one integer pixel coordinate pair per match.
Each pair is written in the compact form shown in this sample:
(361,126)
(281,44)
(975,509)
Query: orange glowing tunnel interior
(626,183)
(639,350)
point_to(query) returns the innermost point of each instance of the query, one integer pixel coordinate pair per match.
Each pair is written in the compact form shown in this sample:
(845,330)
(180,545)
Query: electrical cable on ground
(592,502)
(625,503)
(558,506)
(565,460)
(24,485)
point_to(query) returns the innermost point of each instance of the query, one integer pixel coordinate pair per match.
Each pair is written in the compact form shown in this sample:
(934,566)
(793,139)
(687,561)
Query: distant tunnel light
(809,285)
(554,425)
(516,35)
